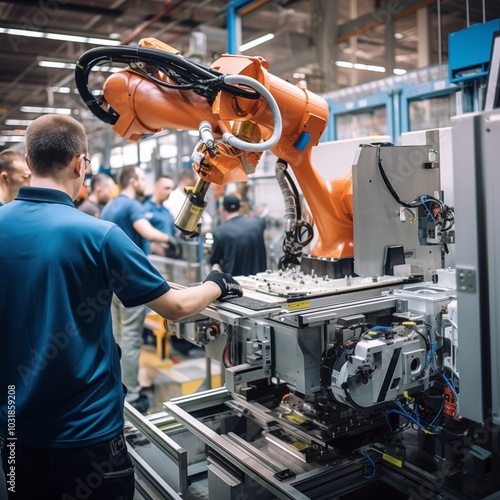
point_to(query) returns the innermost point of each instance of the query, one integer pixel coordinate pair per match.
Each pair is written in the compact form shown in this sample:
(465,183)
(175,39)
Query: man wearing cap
(239,246)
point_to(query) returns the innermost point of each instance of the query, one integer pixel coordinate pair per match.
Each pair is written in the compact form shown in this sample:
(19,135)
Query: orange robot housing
(145,107)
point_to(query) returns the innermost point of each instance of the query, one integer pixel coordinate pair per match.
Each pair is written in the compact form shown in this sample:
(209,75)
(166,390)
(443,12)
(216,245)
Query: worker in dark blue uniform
(61,395)
(159,216)
(239,248)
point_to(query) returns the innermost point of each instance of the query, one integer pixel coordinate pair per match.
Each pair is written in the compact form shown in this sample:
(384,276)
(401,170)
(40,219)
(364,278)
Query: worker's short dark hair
(98,180)
(52,141)
(126,173)
(8,157)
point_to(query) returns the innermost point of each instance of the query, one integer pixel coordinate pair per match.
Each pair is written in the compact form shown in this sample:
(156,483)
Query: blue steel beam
(232,15)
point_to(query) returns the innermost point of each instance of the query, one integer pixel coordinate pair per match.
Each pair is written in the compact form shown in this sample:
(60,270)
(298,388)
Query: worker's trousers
(128,324)
(101,471)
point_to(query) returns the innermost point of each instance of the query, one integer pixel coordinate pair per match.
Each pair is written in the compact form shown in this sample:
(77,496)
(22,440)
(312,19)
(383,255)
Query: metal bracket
(466,279)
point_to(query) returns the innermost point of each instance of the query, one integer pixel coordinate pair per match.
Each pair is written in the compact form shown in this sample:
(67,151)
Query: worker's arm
(178,304)
(147,231)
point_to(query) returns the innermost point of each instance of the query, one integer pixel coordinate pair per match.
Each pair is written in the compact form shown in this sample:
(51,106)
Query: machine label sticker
(299,305)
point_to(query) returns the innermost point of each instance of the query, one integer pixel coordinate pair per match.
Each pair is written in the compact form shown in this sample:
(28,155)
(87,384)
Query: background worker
(177,197)
(239,246)
(159,216)
(14,173)
(60,365)
(128,322)
(187,178)
(101,191)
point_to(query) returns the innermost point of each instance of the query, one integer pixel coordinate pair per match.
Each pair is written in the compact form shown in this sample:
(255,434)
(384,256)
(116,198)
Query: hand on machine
(229,287)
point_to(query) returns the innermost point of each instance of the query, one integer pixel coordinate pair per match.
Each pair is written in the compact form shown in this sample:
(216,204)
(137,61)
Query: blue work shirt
(58,270)
(124,211)
(160,218)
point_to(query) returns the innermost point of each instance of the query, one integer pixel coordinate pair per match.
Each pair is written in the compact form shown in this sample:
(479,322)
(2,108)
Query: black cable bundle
(186,74)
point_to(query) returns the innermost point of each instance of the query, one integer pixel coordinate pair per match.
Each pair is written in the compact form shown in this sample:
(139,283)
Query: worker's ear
(80,165)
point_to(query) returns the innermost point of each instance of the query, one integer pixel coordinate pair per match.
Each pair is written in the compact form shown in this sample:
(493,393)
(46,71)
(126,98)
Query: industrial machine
(342,369)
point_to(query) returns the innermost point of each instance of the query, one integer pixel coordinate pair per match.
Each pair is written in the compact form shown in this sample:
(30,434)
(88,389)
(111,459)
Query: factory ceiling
(310,38)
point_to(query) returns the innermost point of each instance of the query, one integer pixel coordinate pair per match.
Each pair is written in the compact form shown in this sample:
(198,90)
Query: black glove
(174,248)
(228,285)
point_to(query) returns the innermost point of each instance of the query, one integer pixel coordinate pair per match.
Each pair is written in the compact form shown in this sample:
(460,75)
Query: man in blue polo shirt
(61,395)
(159,216)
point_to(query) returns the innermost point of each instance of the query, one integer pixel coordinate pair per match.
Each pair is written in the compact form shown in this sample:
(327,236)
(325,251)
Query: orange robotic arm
(145,100)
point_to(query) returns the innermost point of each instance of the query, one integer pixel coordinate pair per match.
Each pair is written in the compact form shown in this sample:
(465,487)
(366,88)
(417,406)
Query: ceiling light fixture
(61,90)
(368,67)
(40,109)
(344,64)
(365,67)
(59,36)
(258,41)
(56,65)
(20,123)
(12,138)
(66,65)
(13,132)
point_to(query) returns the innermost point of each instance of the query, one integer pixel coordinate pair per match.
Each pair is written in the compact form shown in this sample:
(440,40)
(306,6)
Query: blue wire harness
(414,417)
(373,465)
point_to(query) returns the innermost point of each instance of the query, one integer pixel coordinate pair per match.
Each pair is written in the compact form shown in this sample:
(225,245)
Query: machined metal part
(171,462)
(259,464)
(147,482)
(376,213)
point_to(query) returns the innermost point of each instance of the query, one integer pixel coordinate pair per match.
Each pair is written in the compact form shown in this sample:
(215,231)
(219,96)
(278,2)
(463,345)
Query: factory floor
(178,375)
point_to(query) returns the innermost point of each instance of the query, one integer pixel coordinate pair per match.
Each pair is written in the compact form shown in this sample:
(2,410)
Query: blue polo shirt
(160,218)
(124,211)
(58,270)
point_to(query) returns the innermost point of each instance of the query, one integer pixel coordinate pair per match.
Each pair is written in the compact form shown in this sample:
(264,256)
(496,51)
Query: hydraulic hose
(232,140)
